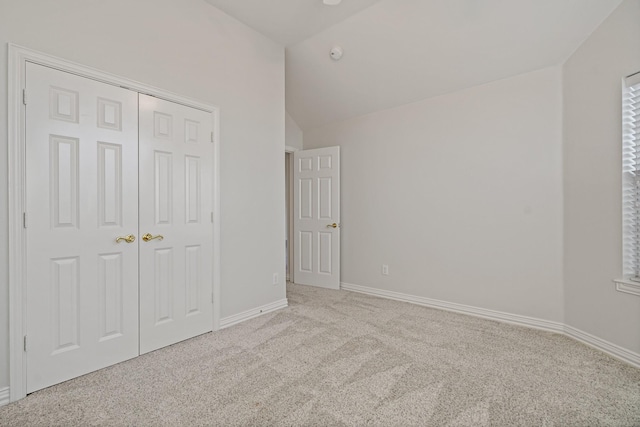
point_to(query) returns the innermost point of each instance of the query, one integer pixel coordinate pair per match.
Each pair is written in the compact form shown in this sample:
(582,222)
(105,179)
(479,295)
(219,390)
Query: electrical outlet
(385,270)
(275,279)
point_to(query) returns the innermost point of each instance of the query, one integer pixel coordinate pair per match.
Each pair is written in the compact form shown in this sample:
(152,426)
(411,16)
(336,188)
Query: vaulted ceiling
(289,21)
(400,51)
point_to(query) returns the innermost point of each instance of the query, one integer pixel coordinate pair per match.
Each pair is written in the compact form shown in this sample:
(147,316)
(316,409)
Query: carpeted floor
(337,358)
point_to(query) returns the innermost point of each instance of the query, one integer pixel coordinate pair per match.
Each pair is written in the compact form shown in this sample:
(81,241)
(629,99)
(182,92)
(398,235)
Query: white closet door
(176,189)
(81,191)
(316,217)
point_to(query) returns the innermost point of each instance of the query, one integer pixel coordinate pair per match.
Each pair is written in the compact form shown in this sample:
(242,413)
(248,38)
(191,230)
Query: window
(631,177)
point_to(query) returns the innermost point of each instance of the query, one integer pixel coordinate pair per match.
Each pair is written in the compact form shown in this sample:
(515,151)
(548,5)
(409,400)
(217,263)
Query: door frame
(16,127)
(290,272)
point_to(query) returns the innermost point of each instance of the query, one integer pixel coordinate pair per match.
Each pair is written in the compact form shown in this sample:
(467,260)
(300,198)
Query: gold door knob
(148,237)
(334,225)
(130,238)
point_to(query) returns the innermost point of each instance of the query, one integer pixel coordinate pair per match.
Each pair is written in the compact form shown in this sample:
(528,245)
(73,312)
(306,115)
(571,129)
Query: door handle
(130,238)
(334,225)
(148,237)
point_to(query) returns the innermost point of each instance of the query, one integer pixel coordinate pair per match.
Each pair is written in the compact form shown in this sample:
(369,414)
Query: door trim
(18,58)
(290,150)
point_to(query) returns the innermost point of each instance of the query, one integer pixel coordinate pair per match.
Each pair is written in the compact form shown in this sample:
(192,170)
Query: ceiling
(289,21)
(400,51)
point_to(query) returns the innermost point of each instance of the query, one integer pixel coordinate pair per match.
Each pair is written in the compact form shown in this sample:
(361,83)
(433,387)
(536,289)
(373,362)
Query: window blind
(631,176)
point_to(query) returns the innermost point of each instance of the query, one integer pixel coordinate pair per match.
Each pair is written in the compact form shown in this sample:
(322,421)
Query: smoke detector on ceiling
(336,53)
(331,2)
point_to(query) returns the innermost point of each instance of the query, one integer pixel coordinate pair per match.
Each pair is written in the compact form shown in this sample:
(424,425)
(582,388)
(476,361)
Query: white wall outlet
(385,270)
(275,279)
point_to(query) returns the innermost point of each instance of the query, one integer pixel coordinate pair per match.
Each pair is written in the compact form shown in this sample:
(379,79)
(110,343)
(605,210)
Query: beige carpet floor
(337,358)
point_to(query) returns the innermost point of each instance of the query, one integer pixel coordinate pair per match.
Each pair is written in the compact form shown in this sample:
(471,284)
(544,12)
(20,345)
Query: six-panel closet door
(176,208)
(105,167)
(81,195)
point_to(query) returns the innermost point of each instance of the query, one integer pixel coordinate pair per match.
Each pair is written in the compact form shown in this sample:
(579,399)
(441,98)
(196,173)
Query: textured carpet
(338,358)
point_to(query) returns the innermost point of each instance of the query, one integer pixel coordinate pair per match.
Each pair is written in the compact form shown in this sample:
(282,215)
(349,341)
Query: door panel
(316,196)
(110,282)
(81,194)
(176,201)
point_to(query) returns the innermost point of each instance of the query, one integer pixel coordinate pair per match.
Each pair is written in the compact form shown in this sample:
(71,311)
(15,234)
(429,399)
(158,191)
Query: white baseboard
(254,312)
(531,322)
(605,346)
(5,396)
(500,316)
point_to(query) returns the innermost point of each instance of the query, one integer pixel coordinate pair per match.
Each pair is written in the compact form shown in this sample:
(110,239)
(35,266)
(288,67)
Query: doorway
(288,239)
(312,206)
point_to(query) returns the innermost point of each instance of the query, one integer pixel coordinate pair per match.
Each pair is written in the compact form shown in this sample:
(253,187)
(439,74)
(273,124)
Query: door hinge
(24,96)
(212,217)
(212,137)
(211,298)
(24,219)
(25,343)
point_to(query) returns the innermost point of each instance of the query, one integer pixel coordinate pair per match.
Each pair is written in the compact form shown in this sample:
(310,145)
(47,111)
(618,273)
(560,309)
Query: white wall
(461,195)
(192,49)
(592,180)
(293,133)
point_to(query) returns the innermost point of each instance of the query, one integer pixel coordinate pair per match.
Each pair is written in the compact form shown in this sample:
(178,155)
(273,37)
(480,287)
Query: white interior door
(81,194)
(316,217)
(176,210)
